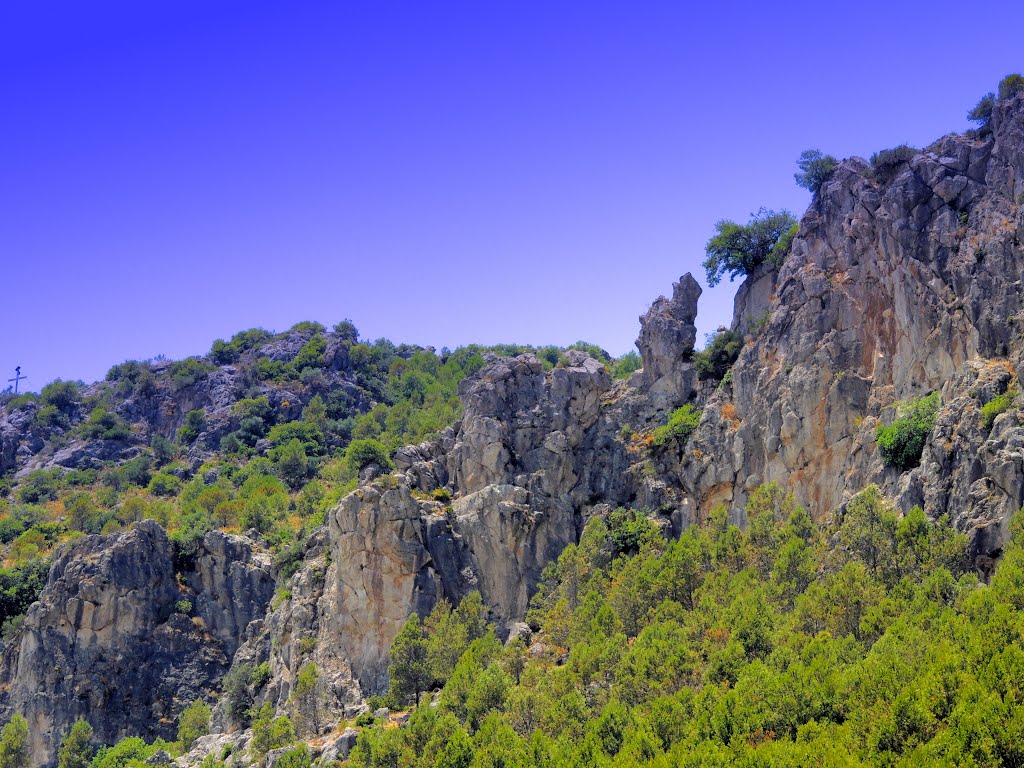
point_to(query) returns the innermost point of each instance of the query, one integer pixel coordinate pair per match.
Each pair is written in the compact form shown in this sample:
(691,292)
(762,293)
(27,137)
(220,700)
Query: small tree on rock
(739,249)
(815,169)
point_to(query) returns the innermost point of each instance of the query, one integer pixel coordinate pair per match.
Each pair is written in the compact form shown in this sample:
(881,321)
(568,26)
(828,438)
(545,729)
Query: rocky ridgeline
(156,398)
(891,290)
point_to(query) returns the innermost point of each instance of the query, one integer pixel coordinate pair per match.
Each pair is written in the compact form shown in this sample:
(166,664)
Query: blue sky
(173,172)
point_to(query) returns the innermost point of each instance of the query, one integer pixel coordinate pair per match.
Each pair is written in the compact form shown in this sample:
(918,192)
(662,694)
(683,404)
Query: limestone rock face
(891,290)
(106,640)
(667,336)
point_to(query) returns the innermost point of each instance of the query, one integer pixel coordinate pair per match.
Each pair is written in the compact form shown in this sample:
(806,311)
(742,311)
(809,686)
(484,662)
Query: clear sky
(173,171)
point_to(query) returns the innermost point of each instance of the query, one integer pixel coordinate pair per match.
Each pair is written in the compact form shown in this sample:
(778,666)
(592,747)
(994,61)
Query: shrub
(183,606)
(982,113)
(163,449)
(195,423)
(187,372)
(902,443)
(223,353)
(997,405)
(714,361)
(1010,86)
(739,249)
(312,354)
(193,722)
(62,395)
(887,164)
(105,425)
(681,424)
(40,485)
(164,484)
(815,169)
(269,732)
(626,365)
(361,453)
(347,331)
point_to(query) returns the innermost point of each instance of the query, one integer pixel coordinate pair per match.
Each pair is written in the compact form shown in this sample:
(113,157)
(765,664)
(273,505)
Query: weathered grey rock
(667,336)
(340,748)
(105,642)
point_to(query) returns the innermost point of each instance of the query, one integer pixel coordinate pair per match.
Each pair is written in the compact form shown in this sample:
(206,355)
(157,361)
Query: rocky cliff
(893,288)
(115,638)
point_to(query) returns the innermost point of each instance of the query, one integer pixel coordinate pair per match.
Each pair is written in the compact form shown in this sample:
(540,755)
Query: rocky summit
(239,541)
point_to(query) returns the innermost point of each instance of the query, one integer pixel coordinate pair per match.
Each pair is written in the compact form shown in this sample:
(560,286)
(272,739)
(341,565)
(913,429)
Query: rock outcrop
(110,638)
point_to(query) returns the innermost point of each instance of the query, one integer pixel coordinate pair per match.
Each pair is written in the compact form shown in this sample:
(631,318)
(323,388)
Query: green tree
(902,443)
(739,249)
(75,749)
(193,722)
(1010,86)
(307,698)
(269,732)
(14,744)
(815,169)
(715,360)
(409,669)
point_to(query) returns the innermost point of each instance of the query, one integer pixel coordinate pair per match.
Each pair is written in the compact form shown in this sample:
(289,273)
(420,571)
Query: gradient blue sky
(172,172)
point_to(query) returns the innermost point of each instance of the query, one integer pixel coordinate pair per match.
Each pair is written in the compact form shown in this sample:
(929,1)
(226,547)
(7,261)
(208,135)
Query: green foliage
(164,484)
(104,424)
(185,373)
(739,249)
(409,669)
(363,452)
(1010,86)
(76,748)
(193,722)
(312,354)
(982,113)
(815,169)
(15,743)
(681,424)
(41,485)
(902,443)
(62,395)
(299,757)
(237,687)
(306,695)
(269,732)
(773,644)
(626,365)
(887,164)
(715,360)
(194,424)
(997,405)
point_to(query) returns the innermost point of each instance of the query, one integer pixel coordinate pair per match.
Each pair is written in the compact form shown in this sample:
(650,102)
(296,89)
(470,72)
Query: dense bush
(1010,86)
(192,427)
(982,114)
(739,249)
(902,442)
(815,169)
(887,164)
(997,405)
(104,424)
(777,644)
(681,424)
(714,361)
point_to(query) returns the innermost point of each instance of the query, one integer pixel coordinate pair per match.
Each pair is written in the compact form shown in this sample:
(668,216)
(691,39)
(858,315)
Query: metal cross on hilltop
(18,378)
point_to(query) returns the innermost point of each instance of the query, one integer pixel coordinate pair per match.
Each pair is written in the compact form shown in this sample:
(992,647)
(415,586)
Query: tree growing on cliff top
(739,249)
(815,169)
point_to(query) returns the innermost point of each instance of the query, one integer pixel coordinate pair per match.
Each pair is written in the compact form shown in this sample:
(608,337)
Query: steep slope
(894,287)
